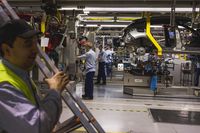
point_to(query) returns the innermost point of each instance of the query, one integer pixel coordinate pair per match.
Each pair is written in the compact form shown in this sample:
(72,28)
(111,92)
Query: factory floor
(121,113)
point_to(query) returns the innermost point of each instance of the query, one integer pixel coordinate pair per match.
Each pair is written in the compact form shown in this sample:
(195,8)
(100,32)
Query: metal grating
(176,116)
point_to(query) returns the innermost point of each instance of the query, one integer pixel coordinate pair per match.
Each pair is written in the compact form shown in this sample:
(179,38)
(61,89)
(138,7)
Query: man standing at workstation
(197,73)
(109,60)
(90,64)
(102,66)
(21,109)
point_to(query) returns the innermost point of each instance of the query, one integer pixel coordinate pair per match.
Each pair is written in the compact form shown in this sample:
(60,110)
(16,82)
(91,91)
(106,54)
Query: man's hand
(58,81)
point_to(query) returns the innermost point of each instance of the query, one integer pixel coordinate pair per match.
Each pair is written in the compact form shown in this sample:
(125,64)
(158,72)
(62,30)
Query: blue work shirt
(19,115)
(109,55)
(198,64)
(90,58)
(102,56)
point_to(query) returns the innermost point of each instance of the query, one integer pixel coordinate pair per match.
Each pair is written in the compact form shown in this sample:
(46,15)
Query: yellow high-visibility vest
(6,75)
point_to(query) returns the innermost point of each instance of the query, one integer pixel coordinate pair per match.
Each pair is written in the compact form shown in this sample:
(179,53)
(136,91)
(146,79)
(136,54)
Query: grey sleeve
(82,56)
(19,115)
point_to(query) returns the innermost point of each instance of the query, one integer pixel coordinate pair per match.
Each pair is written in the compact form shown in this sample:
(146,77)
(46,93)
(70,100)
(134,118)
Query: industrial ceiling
(112,8)
(109,3)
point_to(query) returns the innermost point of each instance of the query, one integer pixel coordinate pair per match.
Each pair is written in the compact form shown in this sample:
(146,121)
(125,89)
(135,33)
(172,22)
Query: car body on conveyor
(167,37)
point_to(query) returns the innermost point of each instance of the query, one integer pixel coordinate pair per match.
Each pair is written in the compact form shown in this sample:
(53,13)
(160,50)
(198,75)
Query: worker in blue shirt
(21,108)
(90,59)
(102,66)
(197,74)
(109,60)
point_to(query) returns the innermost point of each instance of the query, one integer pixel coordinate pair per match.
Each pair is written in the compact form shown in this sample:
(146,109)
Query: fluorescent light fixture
(98,20)
(161,26)
(164,9)
(94,25)
(114,26)
(134,9)
(70,8)
(133,31)
(156,26)
(122,21)
(86,12)
(88,25)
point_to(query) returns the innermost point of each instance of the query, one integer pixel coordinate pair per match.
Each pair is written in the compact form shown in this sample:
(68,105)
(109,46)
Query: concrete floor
(120,113)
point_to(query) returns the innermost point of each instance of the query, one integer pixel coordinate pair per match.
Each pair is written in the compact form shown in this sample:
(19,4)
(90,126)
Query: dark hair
(83,37)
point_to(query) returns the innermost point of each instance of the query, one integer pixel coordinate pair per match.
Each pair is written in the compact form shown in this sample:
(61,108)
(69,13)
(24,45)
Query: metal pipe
(151,38)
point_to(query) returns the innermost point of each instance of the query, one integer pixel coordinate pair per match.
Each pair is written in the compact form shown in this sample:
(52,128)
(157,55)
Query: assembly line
(99,66)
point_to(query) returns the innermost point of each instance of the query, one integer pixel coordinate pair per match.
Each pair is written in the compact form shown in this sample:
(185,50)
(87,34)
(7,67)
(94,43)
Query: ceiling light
(164,9)
(70,8)
(86,12)
(114,26)
(138,9)
(94,25)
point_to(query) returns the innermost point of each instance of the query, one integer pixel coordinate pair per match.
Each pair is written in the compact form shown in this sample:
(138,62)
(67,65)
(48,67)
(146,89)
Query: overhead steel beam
(106,3)
(104,23)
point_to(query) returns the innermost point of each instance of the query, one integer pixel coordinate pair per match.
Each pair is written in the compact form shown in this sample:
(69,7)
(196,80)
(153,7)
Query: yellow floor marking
(118,110)
(83,130)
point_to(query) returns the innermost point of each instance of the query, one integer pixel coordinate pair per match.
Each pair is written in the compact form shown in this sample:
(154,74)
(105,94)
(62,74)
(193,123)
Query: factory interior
(150,76)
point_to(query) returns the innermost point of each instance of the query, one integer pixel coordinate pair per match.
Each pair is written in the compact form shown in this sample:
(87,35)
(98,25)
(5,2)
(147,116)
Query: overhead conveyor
(82,116)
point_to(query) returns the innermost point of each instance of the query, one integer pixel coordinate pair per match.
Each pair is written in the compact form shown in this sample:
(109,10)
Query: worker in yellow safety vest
(21,108)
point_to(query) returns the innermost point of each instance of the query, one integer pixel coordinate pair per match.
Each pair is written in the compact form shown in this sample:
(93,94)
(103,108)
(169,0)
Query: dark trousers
(89,84)
(197,74)
(101,72)
(109,68)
